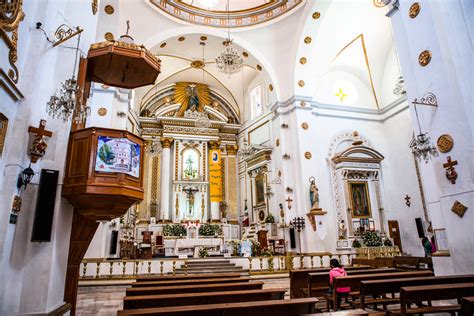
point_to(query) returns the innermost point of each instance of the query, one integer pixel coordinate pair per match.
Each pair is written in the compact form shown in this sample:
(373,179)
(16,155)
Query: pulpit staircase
(204,266)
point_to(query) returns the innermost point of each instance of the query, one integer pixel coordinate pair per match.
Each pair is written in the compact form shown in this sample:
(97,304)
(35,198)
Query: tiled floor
(106,300)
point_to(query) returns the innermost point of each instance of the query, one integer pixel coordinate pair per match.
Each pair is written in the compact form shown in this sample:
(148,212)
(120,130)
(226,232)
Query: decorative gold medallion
(163,45)
(181,38)
(109,9)
(270,87)
(303,104)
(277,142)
(303,60)
(301,83)
(259,68)
(279,173)
(203,38)
(102,111)
(458,208)
(316,15)
(109,36)
(245,54)
(305,125)
(104,86)
(308,155)
(198,64)
(307,40)
(16,205)
(414,10)
(95,6)
(424,58)
(445,143)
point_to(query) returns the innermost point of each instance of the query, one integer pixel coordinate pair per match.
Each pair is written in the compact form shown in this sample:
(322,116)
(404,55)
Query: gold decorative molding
(102,111)
(11,14)
(304,126)
(95,6)
(109,9)
(166,142)
(414,10)
(163,45)
(307,40)
(7,84)
(445,143)
(303,60)
(214,145)
(3,131)
(308,155)
(424,58)
(316,15)
(301,83)
(231,150)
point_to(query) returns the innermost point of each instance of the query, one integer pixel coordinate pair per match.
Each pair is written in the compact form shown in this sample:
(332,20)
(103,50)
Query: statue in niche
(342,230)
(313,194)
(191,92)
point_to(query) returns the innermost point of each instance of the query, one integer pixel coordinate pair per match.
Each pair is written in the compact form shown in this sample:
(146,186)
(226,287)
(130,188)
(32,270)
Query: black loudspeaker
(45,201)
(113,242)
(419,227)
(292,238)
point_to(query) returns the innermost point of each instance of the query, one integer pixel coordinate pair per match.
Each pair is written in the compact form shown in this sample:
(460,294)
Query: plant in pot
(372,239)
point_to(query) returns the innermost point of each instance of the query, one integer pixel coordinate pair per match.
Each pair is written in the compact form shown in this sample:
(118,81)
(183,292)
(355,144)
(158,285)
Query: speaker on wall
(45,201)
(113,242)
(292,238)
(419,227)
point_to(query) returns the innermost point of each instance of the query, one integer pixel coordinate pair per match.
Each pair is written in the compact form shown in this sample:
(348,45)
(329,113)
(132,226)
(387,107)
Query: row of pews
(406,286)
(210,294)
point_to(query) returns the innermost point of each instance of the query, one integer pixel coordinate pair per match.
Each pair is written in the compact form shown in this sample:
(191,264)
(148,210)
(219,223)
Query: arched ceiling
(177,55)
(242,13)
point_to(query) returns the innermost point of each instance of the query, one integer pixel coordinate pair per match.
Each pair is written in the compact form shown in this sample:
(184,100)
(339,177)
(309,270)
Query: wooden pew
(172,289)
(353,281)
(467,306)
(416,294)
(188,276)
(317,284)
(189,282)
(375,288)
(298,278)
(413,262)
(375,263)
(167,300)
(293,307)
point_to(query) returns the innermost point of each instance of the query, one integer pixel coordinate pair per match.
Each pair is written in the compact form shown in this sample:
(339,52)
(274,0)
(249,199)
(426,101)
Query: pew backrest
(189,282)
(188,276)
(175,289)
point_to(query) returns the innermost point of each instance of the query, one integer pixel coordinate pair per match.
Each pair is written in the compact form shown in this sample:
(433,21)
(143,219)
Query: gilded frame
(354,186)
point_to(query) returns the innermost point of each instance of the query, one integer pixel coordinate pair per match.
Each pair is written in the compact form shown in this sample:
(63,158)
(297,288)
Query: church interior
(222,157)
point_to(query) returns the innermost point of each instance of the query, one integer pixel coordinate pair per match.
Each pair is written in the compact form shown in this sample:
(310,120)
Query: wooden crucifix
(289,200)
(38,146)
(451,173)
(407,200)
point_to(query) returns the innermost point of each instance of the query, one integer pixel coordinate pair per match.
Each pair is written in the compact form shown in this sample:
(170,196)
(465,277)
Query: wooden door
(394,232)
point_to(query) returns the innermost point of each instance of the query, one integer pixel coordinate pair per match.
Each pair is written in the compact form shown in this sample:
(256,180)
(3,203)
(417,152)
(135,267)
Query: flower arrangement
(372,239)
(387,243)
(270,219)
(267,253)
(256,249)
(177,230)
(235,243)
(209,230)
(356,244)
(203,253)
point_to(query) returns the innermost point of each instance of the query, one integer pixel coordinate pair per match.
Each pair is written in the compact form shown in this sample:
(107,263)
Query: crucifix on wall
(289,200)
(38,146)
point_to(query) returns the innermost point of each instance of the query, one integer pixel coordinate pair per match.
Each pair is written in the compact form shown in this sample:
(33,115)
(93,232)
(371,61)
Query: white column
(165,187)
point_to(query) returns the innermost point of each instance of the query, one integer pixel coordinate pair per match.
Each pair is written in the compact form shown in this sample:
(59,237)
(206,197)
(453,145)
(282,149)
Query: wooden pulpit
(262,239)
(103,178)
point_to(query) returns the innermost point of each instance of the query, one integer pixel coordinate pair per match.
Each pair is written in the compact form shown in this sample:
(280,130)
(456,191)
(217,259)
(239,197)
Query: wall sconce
(286,156)
(25,177)
(284,125)
(289,190)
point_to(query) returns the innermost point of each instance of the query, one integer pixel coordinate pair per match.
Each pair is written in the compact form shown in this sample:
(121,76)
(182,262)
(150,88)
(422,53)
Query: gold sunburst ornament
(188,94)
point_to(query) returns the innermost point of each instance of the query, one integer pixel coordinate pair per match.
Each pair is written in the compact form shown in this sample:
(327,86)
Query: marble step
(207,261)
(217,265)
(210,271)
(210,268)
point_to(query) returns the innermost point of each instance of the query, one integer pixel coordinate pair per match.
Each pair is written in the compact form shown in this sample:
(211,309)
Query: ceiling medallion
(203,38)
(181,38)
(308,155)
(245,54)
(458,208)
(414,10)
(445,143)
(316,15)
(303,60)
(109,9)
(270,87)
(307,40)
(109,36)
(305,125)
(95,6)
(424,58)
(197,64)
(102,111)
(162,45)
(301,83)
(259,68)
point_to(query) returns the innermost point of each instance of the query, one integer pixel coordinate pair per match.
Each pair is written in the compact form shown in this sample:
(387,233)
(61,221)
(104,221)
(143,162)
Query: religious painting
(441,240)
(260,189)
(190,164)
(117,155)
(359,198)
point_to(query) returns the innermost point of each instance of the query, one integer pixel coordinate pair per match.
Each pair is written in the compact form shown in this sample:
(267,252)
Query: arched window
(256,101)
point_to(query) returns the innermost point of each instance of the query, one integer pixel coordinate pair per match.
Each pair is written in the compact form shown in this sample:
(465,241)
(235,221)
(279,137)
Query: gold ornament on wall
(181,38)
(458,208)
(109,9)
(414,10)
(316,15)
(203,38)
(163,45)
(270,87)
(303,104)
(424,58)
(109,36)
(307,40)
(305,125)
(245,54)
(95,6)
(102,111)
(445,143)
(301,83)
(259,68)
(277,142)
(303,60)
(308,155)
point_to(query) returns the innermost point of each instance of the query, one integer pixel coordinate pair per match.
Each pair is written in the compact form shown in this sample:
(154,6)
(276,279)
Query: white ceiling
(234,5)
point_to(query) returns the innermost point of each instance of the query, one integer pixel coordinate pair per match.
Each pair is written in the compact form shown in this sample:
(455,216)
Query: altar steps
(209,266)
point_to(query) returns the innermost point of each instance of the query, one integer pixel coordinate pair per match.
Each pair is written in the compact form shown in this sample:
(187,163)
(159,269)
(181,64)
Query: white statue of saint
(313,194)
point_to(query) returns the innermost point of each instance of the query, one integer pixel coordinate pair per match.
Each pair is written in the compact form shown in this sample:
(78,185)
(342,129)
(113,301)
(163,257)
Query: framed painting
(260,189)
(359,199)
(441,239)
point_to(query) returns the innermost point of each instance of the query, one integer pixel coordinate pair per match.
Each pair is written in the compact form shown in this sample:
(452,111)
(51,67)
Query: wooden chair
(159,246)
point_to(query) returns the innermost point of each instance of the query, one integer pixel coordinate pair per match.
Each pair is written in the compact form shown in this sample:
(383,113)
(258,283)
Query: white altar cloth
(192,243)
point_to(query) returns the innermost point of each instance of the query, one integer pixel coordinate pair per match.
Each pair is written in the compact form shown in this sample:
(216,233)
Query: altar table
(192,243)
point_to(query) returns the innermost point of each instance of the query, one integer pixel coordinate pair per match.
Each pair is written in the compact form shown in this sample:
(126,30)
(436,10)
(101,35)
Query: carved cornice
(190,130)
(231,150)
(11,14)
(166,142)
(214,145)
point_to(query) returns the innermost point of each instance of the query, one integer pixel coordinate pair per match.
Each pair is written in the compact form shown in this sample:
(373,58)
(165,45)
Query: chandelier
(64,104)
(400,86)
(421,145)
(229,61)
(153,148)
(246,150)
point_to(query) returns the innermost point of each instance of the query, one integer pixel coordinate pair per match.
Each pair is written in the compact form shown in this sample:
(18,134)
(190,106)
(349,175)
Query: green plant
(177,230)
(209,230)
(356,244)
(235,243)
(203,253)
(267,253)
(256,249)
(387,242)
(270,219)
(372,239)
